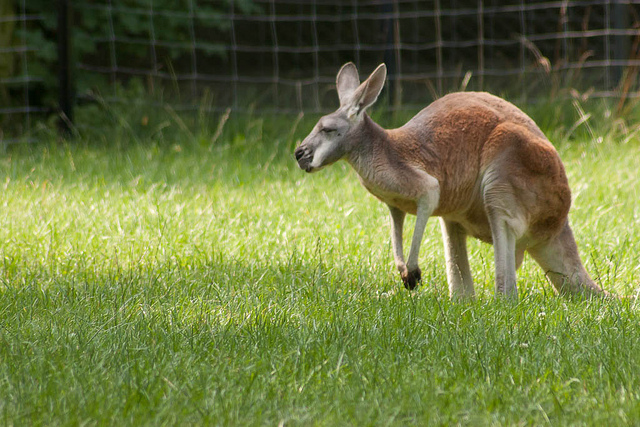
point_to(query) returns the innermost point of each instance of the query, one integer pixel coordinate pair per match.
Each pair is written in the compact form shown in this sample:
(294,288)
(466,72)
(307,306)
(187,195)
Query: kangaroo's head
(335,134)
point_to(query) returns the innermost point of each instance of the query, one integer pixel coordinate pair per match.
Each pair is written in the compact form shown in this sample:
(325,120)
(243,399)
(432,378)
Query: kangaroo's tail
(561,263)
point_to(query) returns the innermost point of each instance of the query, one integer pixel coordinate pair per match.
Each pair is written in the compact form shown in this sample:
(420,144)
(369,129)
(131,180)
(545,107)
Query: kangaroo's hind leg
(507,225)
(504,252)
(455,251)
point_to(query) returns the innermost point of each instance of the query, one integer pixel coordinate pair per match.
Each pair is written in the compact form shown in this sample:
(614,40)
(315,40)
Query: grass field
(204,279)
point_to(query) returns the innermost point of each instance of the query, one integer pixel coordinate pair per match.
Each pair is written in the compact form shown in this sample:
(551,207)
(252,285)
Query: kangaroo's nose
(299,153)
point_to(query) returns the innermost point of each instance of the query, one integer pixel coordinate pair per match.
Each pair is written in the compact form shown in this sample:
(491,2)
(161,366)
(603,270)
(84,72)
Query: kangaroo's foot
(411,278)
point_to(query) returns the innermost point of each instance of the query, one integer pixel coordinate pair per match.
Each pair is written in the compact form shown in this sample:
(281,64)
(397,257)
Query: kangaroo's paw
(411,278)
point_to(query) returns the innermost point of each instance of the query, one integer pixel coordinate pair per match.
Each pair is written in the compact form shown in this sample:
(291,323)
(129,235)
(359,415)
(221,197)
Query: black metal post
(65,78)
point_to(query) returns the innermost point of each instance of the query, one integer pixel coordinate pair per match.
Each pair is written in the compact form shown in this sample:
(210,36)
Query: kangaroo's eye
(328,130)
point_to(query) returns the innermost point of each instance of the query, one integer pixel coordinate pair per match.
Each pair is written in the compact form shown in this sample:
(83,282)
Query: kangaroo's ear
(347,81)
(367,93)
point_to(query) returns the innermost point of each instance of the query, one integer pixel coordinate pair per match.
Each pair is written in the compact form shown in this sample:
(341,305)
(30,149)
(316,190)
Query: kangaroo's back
(486,110)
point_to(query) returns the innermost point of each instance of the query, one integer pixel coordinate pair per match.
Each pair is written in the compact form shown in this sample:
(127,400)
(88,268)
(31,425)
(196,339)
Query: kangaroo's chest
(394,199)
(392,190)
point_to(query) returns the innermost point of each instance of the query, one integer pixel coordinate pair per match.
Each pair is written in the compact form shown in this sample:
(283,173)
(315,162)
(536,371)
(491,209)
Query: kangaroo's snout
(304,158)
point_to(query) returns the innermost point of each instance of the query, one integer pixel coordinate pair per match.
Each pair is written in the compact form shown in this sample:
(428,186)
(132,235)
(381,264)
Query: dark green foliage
(120,34)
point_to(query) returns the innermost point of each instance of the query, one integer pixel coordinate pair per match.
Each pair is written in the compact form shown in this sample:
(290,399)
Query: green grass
(175,281)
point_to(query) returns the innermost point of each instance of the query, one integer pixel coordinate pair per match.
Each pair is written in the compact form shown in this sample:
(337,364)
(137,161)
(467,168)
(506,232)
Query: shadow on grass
(239,341)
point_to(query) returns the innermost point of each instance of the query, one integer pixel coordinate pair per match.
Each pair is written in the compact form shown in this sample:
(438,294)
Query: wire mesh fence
(282,55)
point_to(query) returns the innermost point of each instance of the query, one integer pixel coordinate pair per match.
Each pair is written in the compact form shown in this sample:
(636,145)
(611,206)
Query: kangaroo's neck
(372,147)
(378,148)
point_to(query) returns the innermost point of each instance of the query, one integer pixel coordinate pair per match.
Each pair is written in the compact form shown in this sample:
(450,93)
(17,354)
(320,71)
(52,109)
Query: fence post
(65,78)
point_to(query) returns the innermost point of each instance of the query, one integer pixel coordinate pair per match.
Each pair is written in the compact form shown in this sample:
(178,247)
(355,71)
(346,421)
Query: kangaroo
(474,160)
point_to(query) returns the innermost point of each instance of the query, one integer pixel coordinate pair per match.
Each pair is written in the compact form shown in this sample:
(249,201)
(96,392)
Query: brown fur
(471,158)
(455,140)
